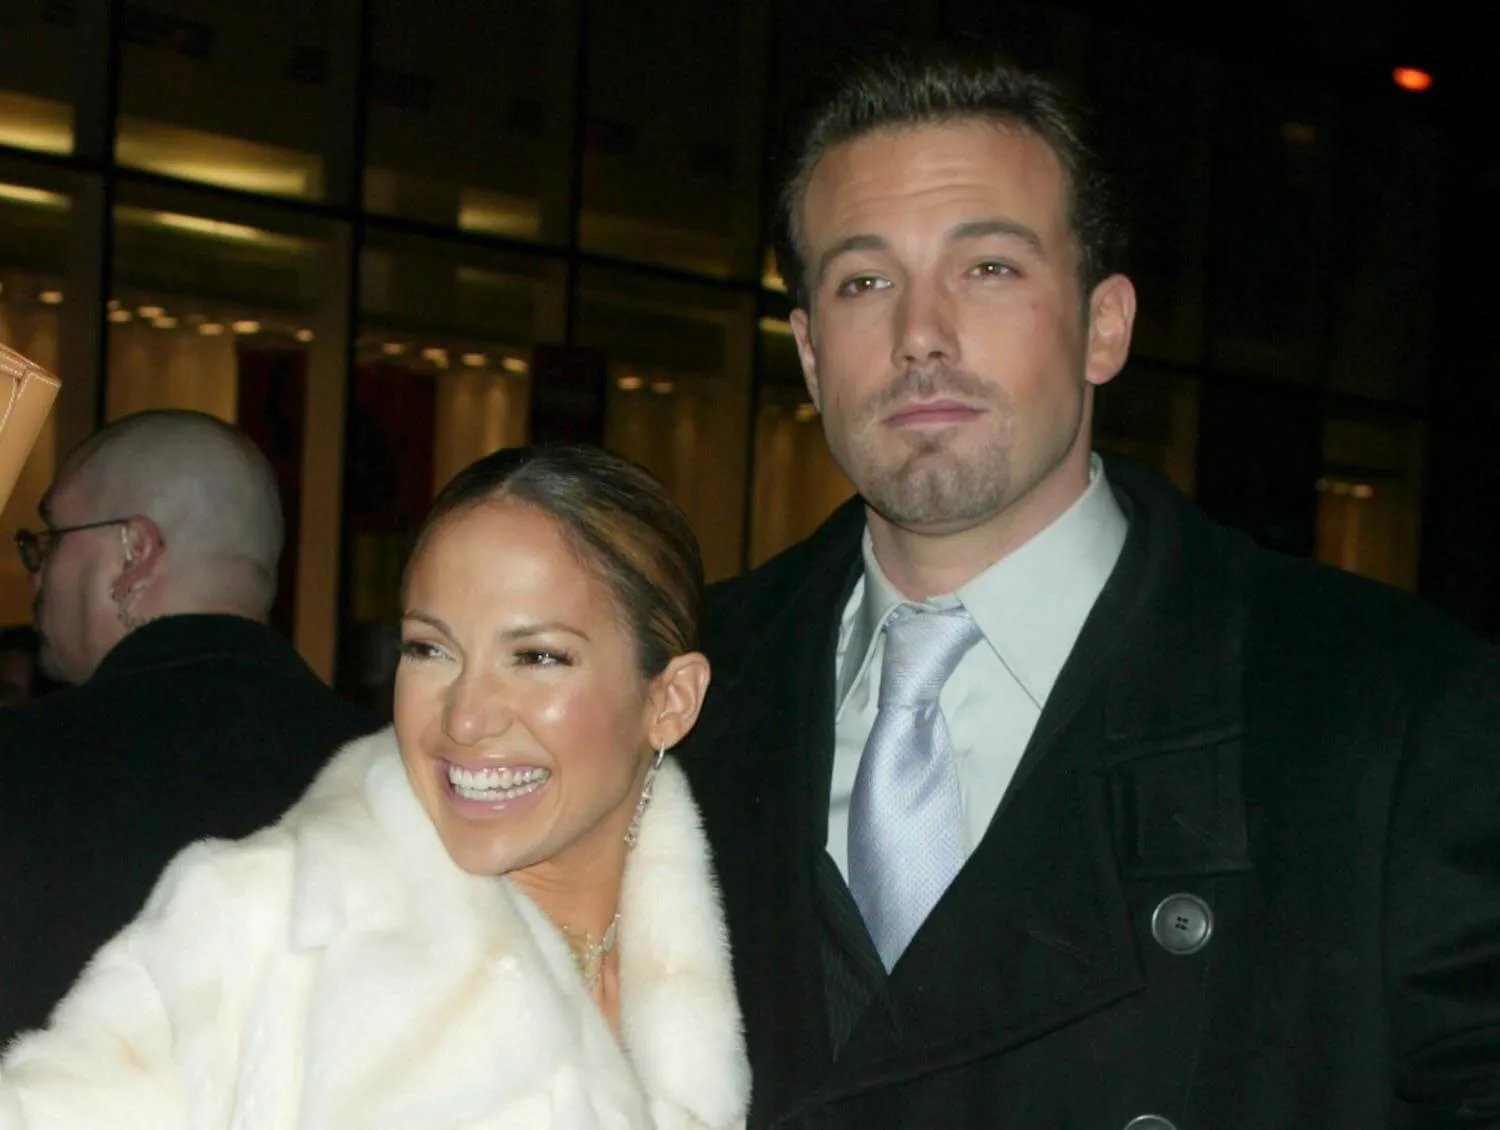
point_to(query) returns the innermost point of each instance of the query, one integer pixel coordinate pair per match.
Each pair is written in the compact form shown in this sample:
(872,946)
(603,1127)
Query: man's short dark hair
(902,88)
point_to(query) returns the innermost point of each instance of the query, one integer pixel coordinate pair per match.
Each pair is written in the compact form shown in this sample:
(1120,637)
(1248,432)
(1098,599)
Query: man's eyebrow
(982,229)
(862,242)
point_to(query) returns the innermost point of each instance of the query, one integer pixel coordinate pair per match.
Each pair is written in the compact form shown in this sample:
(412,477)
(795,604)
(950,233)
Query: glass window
(1047,40)
(1268,265)
(797,483)
(38,81)
(1388,214)
(216,309)
(1370,498)
(469,118)
(1260,452)
(671,154)
(234,95)
(1154,107)
(1151,416)
(443,369)
(33,240)
(678,395)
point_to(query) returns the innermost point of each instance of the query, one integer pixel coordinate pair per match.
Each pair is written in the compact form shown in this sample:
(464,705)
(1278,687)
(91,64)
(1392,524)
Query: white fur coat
(338,972)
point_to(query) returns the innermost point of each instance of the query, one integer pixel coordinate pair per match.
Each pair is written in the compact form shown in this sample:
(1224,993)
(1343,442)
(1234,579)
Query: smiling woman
(515,871)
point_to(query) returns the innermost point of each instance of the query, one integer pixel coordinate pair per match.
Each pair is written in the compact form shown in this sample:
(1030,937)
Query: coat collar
(371,865)
(189,638)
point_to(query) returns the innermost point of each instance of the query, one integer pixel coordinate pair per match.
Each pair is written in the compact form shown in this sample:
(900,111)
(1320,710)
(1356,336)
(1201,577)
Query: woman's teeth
(496,784)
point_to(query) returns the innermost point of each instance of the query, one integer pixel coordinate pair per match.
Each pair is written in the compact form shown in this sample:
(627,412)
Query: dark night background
(389,235)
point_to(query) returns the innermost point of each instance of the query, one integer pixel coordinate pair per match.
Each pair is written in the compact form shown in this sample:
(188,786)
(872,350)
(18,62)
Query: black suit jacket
(1314,758)
(192,726)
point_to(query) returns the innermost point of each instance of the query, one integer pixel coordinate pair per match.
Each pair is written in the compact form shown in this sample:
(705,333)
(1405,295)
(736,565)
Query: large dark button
(1181,924)
(1150,1121)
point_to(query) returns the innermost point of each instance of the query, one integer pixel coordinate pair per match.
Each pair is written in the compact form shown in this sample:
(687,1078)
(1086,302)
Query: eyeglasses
(35,546)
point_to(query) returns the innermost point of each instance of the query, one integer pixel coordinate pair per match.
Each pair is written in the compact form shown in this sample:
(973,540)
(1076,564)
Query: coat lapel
(1132,770)
(760,764)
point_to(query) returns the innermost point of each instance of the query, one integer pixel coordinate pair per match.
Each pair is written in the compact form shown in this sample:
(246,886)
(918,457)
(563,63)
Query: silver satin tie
(906,814)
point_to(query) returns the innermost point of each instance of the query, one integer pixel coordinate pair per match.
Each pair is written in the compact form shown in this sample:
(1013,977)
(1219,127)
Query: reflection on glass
(234,95)
(217,314)
(1269,241)
(442,377)
(209,158)
(468,120)
(38,76)
(33,231)
(1370,499)
(797,483)
(671,148)
(1382,318)
(193,297)
(1151,417)
(1156,99)
(29,122)
(678,393)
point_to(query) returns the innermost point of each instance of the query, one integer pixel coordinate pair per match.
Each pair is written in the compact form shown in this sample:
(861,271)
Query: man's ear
(676,698)
(142,547)
(807,354)
(1111,322)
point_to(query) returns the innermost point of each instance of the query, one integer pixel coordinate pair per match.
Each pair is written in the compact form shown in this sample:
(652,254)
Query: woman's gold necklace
(588,954)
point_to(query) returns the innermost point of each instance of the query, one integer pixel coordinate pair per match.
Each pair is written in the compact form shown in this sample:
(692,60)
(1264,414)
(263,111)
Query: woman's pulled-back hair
(619,520)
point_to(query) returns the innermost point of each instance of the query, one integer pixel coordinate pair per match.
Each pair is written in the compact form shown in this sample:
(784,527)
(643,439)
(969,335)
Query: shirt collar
(1030,605)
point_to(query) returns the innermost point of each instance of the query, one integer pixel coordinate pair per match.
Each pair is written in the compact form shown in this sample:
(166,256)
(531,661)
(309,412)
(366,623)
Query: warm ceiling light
(51,297)
(629,384)
(120,316)
(437,355)
(211,329)
(151,311)
(476,360)
(515,365)
(246,326)
(1362,490)
(805,412)
(662,388)
(304,336)
(165,322)
(393,348)
(1412,78)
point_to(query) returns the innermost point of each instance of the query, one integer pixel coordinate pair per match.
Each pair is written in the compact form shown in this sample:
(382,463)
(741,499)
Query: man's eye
(991,269)
(861,284)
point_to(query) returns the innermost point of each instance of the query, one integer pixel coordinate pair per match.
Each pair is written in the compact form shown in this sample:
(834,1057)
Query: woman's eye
(542,657)
(420,649)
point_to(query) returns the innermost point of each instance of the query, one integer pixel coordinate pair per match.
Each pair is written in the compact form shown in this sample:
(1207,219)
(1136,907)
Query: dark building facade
(386,236)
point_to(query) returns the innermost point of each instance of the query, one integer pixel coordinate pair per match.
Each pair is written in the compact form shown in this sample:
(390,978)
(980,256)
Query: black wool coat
(1247,875)
(192,726)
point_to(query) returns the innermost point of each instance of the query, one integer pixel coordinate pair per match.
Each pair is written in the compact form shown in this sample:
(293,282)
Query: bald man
(188,716)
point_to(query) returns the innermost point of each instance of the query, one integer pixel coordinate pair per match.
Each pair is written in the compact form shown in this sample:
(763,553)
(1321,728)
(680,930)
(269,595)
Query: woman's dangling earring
(633,832)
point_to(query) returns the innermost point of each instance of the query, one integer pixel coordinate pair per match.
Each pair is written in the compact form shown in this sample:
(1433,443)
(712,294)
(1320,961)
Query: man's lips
(932,413)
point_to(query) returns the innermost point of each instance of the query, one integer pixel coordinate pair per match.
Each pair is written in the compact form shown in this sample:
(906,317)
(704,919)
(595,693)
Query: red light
(1410,78)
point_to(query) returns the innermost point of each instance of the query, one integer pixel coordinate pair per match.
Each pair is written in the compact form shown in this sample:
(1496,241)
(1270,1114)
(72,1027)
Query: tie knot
(921,651)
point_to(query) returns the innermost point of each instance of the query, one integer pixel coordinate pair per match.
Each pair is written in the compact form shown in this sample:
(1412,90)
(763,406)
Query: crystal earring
(633,833)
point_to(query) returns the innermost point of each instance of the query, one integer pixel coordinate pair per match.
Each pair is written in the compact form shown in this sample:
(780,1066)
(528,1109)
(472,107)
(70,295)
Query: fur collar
(371,866)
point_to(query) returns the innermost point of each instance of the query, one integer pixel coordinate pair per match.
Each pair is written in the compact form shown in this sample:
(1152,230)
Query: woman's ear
(676,698)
